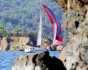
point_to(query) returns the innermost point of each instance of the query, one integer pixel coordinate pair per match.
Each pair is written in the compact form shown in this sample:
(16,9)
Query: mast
(39,37)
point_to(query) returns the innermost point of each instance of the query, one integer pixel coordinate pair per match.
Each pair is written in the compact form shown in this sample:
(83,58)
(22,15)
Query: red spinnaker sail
(57,32)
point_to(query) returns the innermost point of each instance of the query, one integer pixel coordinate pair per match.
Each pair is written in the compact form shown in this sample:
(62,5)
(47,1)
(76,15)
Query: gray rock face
(76,23)
(73,4)
(37,61)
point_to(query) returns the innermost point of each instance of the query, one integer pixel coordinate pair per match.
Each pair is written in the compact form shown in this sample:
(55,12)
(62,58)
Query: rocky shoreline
(38,61)
(16,43)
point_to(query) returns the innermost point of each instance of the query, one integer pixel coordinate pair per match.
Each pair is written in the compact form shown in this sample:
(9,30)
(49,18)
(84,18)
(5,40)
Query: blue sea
(8,57)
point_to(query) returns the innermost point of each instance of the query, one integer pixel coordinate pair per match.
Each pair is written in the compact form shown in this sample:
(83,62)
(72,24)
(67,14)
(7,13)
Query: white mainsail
(39,38)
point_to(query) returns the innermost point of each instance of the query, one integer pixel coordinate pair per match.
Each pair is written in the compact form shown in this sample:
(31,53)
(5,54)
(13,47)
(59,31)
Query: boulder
(3,44)
(62,57)
(37,61)
(59,48)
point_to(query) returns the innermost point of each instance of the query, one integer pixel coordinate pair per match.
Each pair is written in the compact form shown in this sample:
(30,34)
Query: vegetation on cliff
(25,15)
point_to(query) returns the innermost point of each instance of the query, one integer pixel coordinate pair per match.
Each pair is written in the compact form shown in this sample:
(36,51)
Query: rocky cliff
(73,4)
(76,22)
(16,43)
(62,56)
(77,46)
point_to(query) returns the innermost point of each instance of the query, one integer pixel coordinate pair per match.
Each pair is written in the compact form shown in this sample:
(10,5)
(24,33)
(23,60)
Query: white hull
(27,50)
(35,50)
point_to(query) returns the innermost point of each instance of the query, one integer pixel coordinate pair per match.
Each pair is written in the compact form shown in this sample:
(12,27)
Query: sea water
(8,57)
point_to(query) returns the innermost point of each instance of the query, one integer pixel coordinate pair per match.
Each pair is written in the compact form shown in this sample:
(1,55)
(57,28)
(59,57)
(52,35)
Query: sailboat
(39,39)
(56,26)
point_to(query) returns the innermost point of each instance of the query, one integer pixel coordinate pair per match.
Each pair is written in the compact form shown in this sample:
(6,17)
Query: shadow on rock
(47,63)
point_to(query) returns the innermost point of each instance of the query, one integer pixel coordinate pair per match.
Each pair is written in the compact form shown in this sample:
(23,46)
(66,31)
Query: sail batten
(57,33)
